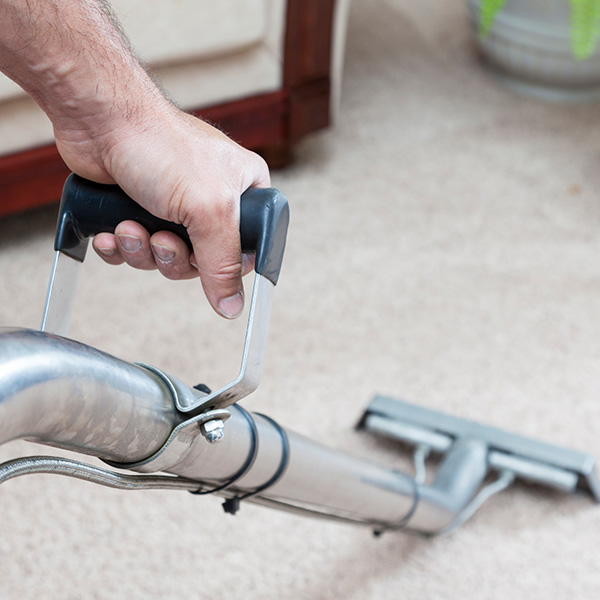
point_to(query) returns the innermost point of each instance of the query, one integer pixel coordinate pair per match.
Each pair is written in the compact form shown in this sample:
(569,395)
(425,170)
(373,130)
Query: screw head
(213,430)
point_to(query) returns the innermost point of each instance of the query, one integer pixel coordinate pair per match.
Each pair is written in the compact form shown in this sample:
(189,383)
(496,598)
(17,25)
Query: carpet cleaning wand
(161,433)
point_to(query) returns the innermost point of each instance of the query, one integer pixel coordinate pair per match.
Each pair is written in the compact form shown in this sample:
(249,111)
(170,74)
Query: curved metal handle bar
(55,465)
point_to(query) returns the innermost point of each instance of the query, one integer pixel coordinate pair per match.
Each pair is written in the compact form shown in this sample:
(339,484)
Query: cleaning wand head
(510,455)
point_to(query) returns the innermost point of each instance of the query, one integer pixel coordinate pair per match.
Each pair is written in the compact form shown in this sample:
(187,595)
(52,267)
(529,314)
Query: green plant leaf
(488,9)
(585,27)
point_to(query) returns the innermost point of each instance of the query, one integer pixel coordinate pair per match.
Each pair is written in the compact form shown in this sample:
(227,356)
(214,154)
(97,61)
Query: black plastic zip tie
(379,531)
(248,462)
(232,505)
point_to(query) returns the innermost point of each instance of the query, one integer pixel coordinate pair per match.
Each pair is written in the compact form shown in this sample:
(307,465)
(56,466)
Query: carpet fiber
(444,248)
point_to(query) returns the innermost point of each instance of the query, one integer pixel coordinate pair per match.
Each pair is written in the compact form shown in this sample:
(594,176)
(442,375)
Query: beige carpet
(444,248)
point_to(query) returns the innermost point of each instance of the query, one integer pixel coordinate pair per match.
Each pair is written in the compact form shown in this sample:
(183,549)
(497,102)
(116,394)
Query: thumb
(218,258)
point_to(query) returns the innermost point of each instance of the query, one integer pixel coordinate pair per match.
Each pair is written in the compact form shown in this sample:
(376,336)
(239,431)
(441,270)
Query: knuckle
(226,273)
(204,216)
(225,206)
(140,260)
(177,271)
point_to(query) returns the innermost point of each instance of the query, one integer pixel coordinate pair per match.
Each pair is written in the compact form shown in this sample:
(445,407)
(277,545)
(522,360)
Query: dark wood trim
(307,65)
(308,41)
(267,123)
(252,122)
(31,178)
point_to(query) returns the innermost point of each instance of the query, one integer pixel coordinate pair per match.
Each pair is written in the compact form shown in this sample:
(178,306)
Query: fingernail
(106,251)
(129,243)
(231,307)
(162,253)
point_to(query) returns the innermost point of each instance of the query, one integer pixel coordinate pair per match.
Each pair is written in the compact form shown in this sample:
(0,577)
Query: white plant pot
(529,49)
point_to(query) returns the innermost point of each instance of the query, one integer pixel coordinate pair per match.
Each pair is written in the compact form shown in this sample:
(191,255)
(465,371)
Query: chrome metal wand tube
(62,393)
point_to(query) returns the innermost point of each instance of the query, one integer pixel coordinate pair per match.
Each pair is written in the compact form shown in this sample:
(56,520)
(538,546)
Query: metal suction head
(528,459)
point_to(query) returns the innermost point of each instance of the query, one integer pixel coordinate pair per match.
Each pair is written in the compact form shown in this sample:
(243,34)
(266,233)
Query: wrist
(88,136)
(97,107)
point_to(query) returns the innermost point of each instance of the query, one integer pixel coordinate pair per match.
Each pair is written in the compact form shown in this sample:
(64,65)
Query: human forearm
(72,59)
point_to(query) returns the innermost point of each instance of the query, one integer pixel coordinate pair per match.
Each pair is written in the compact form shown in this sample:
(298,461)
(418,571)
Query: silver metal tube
(316,477)
(62,393)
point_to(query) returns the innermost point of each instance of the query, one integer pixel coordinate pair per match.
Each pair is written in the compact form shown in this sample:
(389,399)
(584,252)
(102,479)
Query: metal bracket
(193,401)
(248,378)
(178,443)
(247,381)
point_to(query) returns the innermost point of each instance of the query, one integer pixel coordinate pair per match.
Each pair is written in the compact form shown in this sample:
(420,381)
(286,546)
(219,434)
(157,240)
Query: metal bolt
(213,430)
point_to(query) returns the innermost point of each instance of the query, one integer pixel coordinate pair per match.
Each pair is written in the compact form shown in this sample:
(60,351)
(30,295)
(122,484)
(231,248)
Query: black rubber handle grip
(88,208)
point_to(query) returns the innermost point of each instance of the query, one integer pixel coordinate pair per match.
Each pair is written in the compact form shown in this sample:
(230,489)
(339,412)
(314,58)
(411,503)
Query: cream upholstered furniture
(266,71)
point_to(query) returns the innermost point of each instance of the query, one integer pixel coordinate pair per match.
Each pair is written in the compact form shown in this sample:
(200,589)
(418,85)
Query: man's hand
(183,170)
(113,125)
